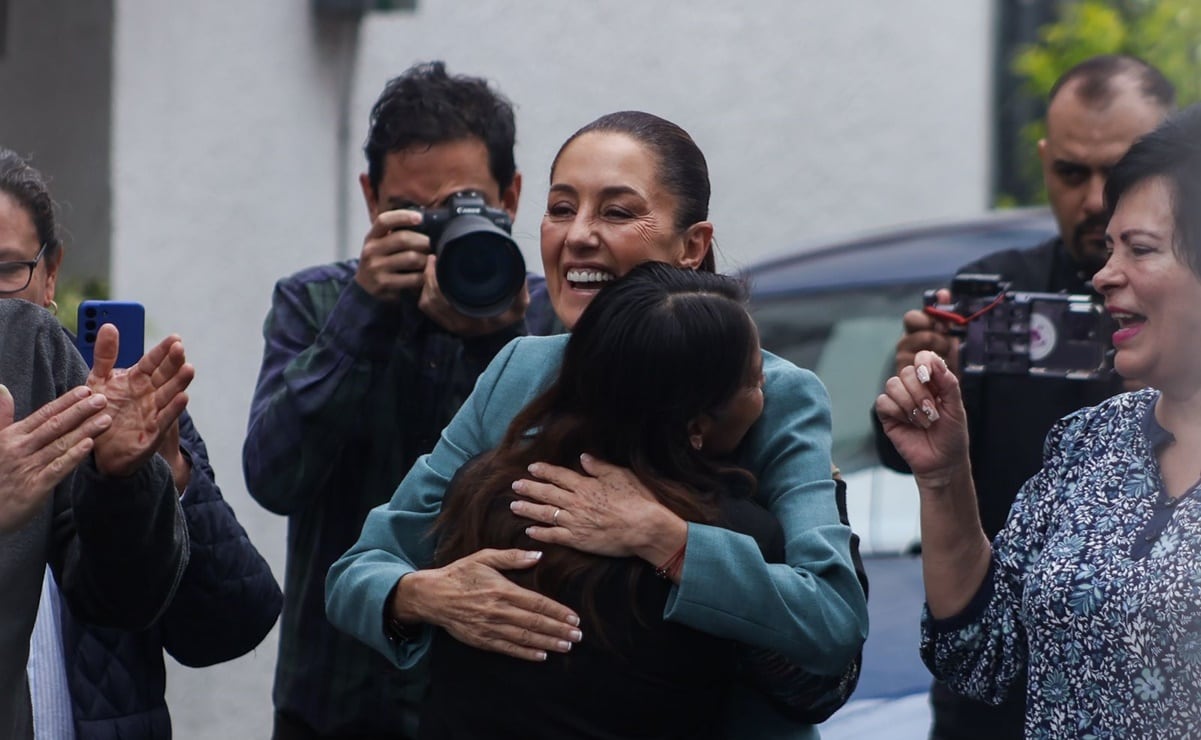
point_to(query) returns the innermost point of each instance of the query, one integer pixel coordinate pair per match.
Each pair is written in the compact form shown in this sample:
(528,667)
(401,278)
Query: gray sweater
(117,546)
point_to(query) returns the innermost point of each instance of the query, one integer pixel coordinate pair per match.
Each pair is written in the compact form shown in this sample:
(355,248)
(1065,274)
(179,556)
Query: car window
(848,339)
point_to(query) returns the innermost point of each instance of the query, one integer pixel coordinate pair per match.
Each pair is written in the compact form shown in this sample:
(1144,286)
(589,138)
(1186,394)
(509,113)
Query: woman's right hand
(922,413)
(42,449)
(474,602)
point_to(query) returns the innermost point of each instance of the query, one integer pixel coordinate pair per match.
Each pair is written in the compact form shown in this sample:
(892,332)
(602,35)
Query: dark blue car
(836,309)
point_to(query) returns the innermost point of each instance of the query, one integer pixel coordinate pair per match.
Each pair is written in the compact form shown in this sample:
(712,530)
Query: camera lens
(480,269)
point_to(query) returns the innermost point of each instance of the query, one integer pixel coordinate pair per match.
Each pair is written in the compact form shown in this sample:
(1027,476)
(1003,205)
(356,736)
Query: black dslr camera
(480,269)
(1037,334)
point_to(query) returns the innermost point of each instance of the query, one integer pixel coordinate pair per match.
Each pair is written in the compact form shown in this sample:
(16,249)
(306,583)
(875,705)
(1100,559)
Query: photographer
(1096,110)
(365,362)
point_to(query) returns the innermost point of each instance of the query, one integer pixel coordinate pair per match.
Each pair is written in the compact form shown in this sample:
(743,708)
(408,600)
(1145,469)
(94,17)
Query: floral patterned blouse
(1094,589)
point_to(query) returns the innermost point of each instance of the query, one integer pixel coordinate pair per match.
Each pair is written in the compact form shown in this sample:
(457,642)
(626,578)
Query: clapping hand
(144,400)
(42,449)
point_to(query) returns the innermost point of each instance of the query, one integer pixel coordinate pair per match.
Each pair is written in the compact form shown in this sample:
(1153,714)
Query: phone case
(128,316)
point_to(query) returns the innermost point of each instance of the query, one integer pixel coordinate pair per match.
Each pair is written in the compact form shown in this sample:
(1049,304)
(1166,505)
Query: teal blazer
(811,609)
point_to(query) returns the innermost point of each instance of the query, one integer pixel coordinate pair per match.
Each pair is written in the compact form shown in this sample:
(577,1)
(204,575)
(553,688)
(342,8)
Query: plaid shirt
(351,392)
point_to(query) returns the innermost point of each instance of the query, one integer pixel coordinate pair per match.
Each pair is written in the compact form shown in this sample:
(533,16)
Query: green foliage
(1165,33)
(68,294)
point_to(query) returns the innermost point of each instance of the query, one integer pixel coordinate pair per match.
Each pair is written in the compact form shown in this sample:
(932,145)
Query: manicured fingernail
(563,646)
(514,505)
(534,468)
(585,457)
(573,620)
(923,374)
(929,410)
(529,531)
(518,485)
(533,554)
(541,655)
(576,635)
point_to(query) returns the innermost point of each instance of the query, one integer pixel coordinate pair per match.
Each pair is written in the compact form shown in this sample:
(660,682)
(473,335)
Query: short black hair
(1172,151)
(425,106)
(26,185)
(1096,75)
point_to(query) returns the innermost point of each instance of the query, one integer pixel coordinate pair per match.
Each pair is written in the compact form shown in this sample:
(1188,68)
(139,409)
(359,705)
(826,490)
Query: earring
(53,308)
(697,442)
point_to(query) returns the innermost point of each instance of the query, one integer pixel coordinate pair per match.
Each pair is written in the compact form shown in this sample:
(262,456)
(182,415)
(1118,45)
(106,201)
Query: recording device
(480,269)
(1013,332)
(128,316)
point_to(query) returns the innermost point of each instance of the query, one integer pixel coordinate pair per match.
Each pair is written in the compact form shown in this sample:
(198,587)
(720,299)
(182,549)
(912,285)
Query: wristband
(671,568)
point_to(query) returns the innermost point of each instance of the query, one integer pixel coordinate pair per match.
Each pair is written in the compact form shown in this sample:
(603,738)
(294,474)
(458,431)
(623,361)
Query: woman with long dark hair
(662,375)
(627,188)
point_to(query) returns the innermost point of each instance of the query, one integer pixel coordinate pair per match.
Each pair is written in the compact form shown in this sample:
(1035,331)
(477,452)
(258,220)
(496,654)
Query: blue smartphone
(128,316)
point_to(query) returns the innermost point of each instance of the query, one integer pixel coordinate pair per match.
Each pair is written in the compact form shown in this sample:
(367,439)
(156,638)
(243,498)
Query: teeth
(589,276)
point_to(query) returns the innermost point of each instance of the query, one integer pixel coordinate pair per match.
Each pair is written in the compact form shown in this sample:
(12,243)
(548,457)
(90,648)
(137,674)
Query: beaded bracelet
(670,570)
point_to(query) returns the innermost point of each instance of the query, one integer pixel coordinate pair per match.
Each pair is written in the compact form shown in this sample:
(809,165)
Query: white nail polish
(929,410)
(923,374)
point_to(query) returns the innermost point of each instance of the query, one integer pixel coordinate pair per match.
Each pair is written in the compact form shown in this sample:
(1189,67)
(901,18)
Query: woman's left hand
(606,511)
(144,400)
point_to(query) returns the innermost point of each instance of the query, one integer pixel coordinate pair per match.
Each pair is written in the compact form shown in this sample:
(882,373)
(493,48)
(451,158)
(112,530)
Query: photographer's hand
(924,332)
(394,256)
(435,305)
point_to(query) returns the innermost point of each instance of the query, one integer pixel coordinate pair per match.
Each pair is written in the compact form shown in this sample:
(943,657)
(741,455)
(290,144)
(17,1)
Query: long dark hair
(653,351)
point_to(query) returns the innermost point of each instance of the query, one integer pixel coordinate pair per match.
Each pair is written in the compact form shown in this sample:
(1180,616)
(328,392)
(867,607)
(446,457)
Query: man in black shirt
(1095,111)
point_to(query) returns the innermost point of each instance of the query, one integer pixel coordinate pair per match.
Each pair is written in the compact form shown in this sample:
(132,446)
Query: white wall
(226,174)
(816,117)
(55,78)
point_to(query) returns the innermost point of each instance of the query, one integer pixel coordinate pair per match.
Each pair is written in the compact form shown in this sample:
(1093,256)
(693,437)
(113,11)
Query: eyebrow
(1069,164)
(1129,234)
(13,254)
(396,204)
(606,192)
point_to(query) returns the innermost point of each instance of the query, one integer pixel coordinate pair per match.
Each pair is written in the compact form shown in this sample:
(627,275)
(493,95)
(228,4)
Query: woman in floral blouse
(1093,588)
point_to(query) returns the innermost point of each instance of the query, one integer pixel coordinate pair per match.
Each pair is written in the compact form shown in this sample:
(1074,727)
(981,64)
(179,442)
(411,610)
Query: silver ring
(555,519)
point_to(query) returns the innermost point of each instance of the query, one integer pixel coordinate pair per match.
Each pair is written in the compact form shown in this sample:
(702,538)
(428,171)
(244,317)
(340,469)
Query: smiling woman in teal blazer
(627,188)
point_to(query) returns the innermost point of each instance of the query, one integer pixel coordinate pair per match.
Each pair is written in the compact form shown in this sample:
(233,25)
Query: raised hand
(394,256)
(922,412)
(144,400)
(42,449)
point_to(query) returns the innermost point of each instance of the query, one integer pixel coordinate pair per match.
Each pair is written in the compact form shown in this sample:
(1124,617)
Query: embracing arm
(811,608)
(228,599)
(382,575)
(325,339)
